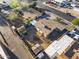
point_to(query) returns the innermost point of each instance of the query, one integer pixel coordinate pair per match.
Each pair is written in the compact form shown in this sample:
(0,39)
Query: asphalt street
(54,11)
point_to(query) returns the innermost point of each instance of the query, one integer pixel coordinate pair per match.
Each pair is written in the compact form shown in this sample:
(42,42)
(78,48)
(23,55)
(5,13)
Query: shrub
(14,4)
(75,21)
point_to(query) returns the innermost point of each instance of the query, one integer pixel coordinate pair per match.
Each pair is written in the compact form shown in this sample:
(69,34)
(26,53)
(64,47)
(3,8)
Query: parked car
(69,14)
(65,4)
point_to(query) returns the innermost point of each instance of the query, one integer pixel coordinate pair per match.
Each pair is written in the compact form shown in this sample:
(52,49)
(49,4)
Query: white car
(76,37)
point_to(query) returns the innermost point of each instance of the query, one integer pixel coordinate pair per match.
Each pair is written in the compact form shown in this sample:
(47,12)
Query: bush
(18,5)
(75,21)
(14,4)
(33,5)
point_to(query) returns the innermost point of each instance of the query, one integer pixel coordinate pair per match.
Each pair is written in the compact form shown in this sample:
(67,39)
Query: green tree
(75,21)
(18,4)
(28,20)
(33,5)
(14,4)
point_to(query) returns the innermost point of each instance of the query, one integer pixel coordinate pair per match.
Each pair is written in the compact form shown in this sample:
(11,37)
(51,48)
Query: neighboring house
(58,47)
(6,53)
(2,53)
(5,1)
(62,3)
(75,0)
(29,1)
(58,1)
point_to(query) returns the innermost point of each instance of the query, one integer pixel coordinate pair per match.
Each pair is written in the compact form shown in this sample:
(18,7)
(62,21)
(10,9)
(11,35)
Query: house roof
(60,1)
(58,47)
(2,53)
(53,35)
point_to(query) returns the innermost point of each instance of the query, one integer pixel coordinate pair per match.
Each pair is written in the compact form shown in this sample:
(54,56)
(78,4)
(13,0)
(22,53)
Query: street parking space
(65,10)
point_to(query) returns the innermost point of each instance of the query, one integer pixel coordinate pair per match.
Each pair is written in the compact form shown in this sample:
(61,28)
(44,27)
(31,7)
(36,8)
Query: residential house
(59,46)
